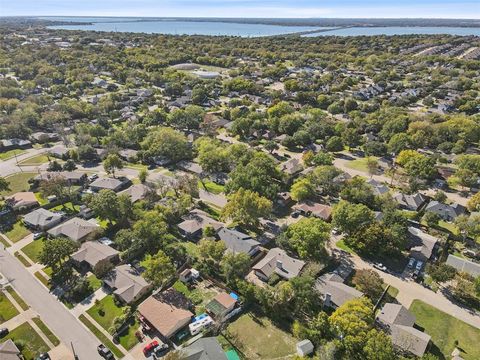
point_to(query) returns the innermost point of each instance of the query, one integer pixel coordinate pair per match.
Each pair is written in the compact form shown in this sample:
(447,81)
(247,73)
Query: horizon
(271,9)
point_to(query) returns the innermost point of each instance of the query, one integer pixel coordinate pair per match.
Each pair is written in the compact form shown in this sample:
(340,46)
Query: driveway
(53,313)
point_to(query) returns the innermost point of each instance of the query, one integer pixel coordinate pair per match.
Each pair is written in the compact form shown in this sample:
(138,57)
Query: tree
(111,163)
(69,165)
(372,165)
(235,266)
(302,189)
(358,191)
(307,237)
(431,218)
(474,202)
(324,177)
(246,207)
(349,218)
(56,252)
(379,346)
(271,146)
(4,184)
(210,253)
(142,176)
(334,144)
(158,269)
(441,273)
(105,205)
(57,186)
(369,282)
(166,143)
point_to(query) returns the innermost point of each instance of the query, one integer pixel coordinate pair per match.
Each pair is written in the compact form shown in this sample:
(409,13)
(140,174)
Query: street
(53,313)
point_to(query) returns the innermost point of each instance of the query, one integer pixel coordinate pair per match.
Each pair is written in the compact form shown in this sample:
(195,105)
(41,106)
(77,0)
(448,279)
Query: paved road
(55,315)
(9,167)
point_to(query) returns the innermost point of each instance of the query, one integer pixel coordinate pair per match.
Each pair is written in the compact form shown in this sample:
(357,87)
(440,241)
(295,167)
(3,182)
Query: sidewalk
(87,303)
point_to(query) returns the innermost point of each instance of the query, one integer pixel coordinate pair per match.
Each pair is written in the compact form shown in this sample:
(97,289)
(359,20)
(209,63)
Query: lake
(398,30)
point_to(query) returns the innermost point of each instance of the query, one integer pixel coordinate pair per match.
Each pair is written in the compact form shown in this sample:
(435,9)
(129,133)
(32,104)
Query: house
(167,311)
(310,208)
(126,283)
(72,177)
(445,211)
(9,351)
(191,167)
(410,202)
(334,292)
(284,199)
(399,322)
(188,275)
(92,253)
(422,245)
(43,137)
(41,219)
(194,222)
(238,242)
(75,229)
(114,184)
(137,192)
(10,144)
(378,188)
(278,262)
(59,151)
(205,348)
(291,167)
(221,305)
(128,154)
(464,265)
(304,348)
(26,199)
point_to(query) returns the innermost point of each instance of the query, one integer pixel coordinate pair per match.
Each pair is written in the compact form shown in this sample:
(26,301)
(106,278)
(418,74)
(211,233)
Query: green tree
(111,163)
(369,282)
(441,273)
(474,202)
(349,218)
(246,207)
(235,266)
(166,143)
(379,346)
(302,189)
(210,253)
(4,184)
(105,205)
(56,252)
(142,175)
(334,144)
(158,269)
(307,237)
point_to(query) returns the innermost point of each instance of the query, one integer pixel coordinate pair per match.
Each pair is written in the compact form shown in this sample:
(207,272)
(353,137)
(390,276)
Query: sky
(246,8)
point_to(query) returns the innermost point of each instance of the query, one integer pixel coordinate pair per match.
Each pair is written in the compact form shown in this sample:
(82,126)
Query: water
(178,27)
(398,30)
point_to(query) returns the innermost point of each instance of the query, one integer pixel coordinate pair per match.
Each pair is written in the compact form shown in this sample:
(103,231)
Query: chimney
(279,264)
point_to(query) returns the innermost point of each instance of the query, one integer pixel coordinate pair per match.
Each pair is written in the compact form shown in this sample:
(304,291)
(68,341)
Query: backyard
(258,338)
(27,340)
(445,330)
(18,182)
(200,295)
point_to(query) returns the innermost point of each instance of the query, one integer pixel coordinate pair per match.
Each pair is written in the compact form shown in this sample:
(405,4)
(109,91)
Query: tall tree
(112,163)
(246,207)
(57,251)
(158,269)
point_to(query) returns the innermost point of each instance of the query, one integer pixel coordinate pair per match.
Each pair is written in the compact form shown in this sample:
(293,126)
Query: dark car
(105,352)
(43,356)
(3,332)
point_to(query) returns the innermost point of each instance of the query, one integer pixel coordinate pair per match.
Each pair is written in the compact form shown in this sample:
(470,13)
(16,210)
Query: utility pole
(75,356)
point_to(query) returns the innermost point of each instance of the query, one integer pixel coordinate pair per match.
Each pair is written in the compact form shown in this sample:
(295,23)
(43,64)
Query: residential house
(304,348)
(221,305)
(24,199)
(238,242)
(284,199)
(43,137)
(291,167)
(410,202)
(378,188)
(334,292)
(115,184)
(310,208)
(59,151)
(75,229)
(445,211)
(9,351)
(205,348)
(191,167)
(464,265)
(127,283)
(399,322)
(137,192)
(10,144)
(41,219)
(72,177)
(278,262)
(92,253)
(422,245)
(167,312)
(128,154)
(194,222)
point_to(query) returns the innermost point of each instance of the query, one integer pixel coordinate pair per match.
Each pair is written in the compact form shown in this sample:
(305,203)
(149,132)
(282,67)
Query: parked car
(411,262)
(105,352)
(150,348)
(160,348)
(93,177)
(295,214)
(43,356)
(37,235)
(380,266)
(419,265)
(3,332)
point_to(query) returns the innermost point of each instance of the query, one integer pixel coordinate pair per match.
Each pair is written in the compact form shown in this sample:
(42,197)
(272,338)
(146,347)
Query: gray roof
(292,166)
(41,217)
(422,244)
(410,339)
(378,188)
(136,192)
(107,183)
(126,281)
(92,252)
(464,265)
(190,166)
(396,314)
(445,210)
(207,348)
(75,229)
(339,292)
(9,351)
(412,202)
(196,220)
(290,267)
(236,241)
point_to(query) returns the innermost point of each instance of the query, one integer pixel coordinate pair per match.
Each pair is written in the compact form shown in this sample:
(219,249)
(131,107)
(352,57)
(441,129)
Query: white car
(37,235)
(419,265)
(380,266)
(411,262)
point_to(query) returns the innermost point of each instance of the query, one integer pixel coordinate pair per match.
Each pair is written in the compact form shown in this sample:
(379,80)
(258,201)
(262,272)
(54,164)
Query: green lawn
(7,309)
(258,338)
(445,329)
(27,340)
(106,341)
(42,279)
(110,312)
(199,295)
(35,160)
(17,232)
(17,298)
(128,339)
(18,182)
(360,164)
(4,242)
(41,200)
(11,153)
(341,245)
(22,259)
(95,282)
(69,208)
(34,249)
(211,186)
(48,333)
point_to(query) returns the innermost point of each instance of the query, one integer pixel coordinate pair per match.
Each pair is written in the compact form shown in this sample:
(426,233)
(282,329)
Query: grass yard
(4,242)
(210,186)
(7,309)
(128,339)
(259,338)
(17,298)
(34,249)
(95,282)
(22,259)
(341,245)
(18,182)
(48,333)
(69,208)
(17,232)
(191,248)
(360,164)
(105,312)
(35,160)
(199,295)
(445,329)
(42,279)
(11,153)
(103,339)
(27,340)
